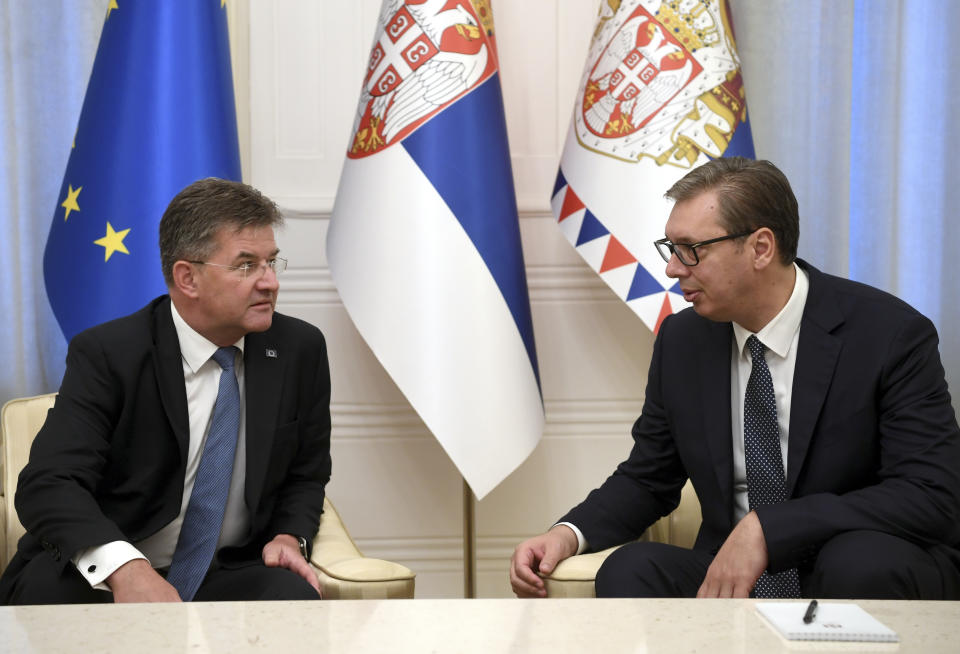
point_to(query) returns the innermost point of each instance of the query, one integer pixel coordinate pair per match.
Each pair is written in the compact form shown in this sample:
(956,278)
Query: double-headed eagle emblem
(426,55)
(664,83)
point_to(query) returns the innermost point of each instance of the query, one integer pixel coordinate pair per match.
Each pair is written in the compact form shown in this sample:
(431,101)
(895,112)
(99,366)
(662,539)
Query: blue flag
(159,113)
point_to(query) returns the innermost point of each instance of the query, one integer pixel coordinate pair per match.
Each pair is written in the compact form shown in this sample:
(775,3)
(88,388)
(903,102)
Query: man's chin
(260,320)
(711,313)
(703,310)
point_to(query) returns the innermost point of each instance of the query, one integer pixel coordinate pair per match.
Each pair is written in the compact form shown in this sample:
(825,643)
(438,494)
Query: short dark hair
(189,227)
(752,194)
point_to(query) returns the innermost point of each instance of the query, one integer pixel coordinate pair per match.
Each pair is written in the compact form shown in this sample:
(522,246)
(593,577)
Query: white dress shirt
(201,375)
(780,335)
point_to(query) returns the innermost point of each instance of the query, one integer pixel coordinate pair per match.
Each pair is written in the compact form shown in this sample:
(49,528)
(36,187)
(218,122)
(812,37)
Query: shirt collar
(778,334)
(194,348)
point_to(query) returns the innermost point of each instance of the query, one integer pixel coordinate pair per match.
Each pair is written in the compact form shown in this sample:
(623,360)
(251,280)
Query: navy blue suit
(873,440)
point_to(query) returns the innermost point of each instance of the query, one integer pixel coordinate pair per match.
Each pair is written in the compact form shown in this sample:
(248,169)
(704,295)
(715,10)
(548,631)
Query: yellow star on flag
(113,242)
(70,204)
(111,7)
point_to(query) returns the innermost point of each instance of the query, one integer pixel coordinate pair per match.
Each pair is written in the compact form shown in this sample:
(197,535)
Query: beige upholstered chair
(343,571)
(574,577)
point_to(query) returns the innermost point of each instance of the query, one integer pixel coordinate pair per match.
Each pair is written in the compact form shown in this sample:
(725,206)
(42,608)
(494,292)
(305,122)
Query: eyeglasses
(248,268)
(687,252)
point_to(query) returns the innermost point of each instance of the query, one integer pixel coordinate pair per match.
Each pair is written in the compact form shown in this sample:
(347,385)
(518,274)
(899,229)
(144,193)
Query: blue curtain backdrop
(854,99)
(46,53)
(857,102)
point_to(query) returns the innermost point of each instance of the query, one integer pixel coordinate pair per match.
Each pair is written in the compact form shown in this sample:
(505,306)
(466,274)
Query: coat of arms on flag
(426,55)
(661,93)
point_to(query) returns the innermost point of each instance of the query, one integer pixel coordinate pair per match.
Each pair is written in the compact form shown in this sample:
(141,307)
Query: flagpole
(469,543)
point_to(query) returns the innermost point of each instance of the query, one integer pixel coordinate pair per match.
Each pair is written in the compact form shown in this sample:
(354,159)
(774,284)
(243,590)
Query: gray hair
(189,227)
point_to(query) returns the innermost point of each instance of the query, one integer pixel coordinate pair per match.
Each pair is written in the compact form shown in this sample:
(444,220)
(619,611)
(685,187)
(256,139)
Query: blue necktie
(200,530)
(766,483)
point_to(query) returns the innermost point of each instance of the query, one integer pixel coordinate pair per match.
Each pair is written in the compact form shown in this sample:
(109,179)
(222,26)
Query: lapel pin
(271,353)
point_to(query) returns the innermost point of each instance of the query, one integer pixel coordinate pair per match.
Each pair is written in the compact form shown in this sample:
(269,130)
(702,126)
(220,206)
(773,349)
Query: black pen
(811,612)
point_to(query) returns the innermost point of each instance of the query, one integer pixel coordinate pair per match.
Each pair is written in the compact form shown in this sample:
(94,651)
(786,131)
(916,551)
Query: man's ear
(764,248)
(185,279)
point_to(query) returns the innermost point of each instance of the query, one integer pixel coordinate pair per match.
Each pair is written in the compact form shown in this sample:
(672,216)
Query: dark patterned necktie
(200,530)
(766,483)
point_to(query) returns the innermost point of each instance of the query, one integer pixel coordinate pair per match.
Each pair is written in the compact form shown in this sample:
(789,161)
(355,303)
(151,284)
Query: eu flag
(158,114)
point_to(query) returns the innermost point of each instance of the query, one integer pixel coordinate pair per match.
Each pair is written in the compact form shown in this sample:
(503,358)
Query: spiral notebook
(834,621)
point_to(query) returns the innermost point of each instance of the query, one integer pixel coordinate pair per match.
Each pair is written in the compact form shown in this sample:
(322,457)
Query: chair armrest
(344,572)
(20,419)
(574,576)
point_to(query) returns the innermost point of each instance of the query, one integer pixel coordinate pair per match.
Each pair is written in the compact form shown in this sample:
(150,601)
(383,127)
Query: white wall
(298,66)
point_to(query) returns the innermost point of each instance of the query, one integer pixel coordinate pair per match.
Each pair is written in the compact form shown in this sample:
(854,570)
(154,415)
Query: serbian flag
(661,93)
(158,114)
(424,240)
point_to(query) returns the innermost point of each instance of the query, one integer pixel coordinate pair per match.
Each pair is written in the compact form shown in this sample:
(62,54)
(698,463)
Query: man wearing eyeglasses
(810,413)
(188,451)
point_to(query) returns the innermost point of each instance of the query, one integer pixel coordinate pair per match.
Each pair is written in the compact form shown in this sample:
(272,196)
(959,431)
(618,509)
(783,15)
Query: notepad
(834,621)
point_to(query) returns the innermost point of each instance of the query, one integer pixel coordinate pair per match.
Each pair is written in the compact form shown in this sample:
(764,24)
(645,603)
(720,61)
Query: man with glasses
(188,451)
(810,413)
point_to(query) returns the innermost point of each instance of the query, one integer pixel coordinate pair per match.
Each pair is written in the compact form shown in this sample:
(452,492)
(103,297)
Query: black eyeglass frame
(671,247)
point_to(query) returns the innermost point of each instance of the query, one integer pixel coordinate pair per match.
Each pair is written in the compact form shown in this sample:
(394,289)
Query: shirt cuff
(98,563)
(581,541)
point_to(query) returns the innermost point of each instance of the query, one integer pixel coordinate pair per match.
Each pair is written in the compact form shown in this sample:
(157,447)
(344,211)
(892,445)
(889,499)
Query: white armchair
(344,572)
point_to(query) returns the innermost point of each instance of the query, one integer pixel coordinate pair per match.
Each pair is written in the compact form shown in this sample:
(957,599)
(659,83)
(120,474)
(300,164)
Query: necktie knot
(225,356)
(756,347)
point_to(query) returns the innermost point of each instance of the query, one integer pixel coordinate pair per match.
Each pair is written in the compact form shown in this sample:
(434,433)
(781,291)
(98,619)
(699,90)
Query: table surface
(488,626)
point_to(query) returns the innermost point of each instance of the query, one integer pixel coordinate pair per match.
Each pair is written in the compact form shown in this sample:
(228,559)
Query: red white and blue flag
(661,93)
(424,240)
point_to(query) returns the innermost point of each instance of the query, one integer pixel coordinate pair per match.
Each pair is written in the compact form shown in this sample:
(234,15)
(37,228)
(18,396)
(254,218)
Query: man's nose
(675,267)
(268,280)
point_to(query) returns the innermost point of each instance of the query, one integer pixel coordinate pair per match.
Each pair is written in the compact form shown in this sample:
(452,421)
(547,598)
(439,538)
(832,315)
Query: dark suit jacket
(110,460)
(873,440)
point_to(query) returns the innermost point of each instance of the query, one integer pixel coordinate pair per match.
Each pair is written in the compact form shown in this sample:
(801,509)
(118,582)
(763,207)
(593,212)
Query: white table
(582,626)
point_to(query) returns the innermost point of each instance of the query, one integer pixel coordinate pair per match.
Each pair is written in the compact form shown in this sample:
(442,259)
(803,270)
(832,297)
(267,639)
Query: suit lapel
(168,364)
(263,363)
(817,353)
(714,356)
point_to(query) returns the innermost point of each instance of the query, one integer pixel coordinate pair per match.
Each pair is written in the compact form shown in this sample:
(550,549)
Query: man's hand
(739,563)
(284,552)
(540,554)
(136,581)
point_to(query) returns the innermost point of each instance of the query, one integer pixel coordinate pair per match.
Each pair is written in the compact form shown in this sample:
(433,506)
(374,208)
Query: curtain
(856,101)
(46,53)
